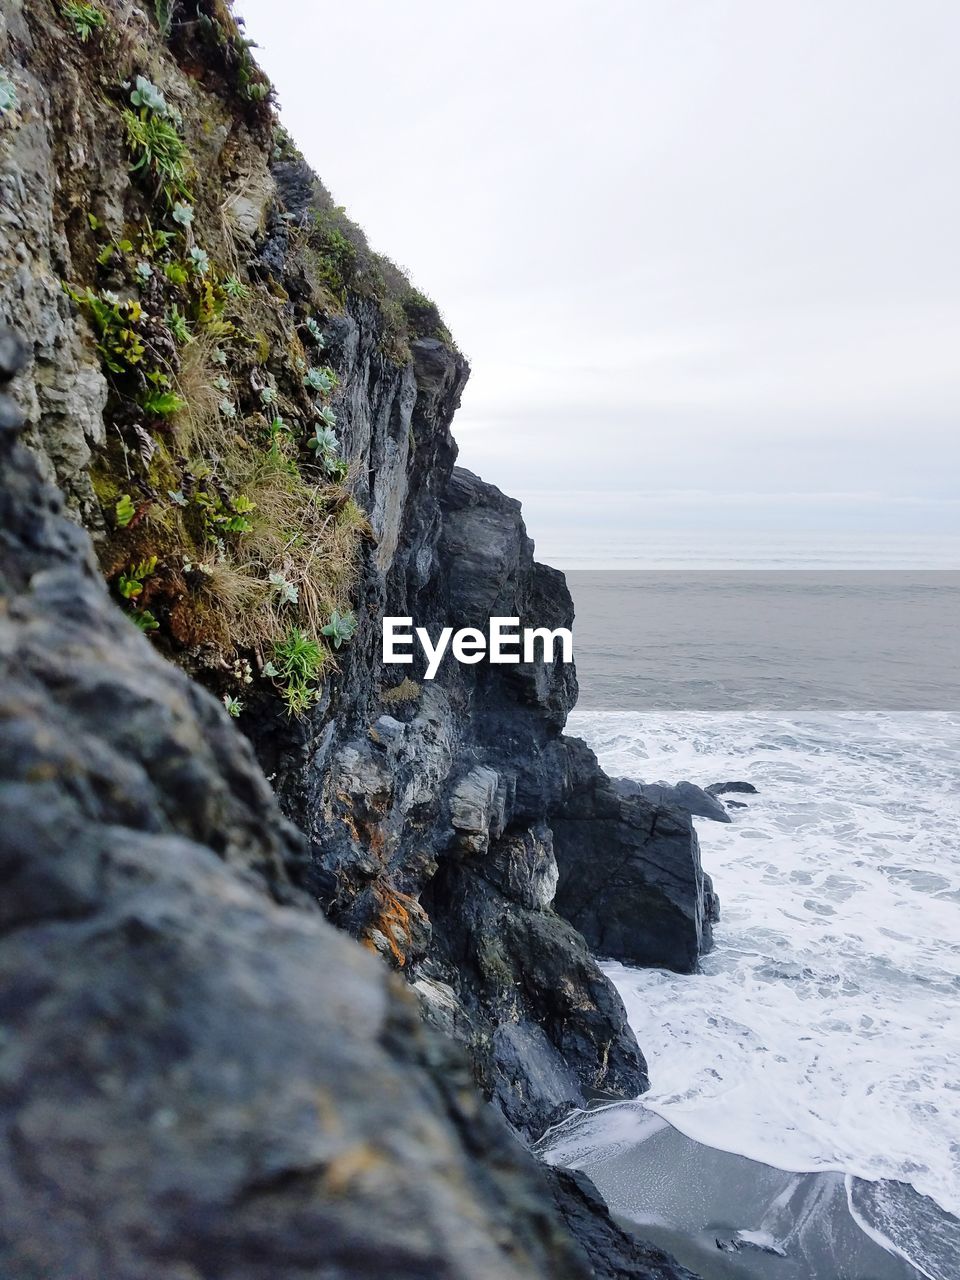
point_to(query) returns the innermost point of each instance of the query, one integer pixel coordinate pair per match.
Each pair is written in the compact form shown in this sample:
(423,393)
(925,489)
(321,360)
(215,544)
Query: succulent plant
(341,628)
(199,260)
(326,442)
(148,97)
(234,287)
(319,379)
(285,591)
(183,214)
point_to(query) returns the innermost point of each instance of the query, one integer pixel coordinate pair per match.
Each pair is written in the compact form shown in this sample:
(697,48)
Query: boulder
(630,874)
(681,795)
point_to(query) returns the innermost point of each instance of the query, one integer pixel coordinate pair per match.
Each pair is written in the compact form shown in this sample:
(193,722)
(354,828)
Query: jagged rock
(524,866)
(407,841)
(630,874)
(685,796)
(195,1078)
(548,1031)
(474,812)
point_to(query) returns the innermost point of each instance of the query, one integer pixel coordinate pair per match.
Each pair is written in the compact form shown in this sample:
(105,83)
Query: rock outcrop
(448,825)
(687,796)
(198,1074)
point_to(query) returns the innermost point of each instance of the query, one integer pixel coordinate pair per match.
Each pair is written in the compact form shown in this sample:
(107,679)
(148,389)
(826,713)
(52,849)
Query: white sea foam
(824,1030)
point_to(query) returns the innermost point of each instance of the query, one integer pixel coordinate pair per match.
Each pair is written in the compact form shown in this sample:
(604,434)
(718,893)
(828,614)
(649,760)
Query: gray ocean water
(823,1033)
(742,640)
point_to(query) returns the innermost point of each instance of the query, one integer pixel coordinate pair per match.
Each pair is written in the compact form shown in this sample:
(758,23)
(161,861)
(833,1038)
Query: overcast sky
(702,255)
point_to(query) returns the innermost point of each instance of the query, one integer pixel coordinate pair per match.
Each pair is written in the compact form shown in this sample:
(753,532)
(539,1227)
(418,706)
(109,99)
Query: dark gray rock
(440,842)
(681,795)
(630,873)
(546,1029)
(732,788)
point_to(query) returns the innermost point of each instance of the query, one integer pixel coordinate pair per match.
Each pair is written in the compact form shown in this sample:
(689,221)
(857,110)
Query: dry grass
(199,428)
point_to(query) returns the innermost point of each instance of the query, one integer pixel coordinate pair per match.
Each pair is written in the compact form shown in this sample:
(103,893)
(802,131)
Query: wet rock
(685,796)
(630,874)
(548,1030)
(732,788)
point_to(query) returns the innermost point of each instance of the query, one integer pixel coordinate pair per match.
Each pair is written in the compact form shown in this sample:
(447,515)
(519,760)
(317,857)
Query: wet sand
(722,1215)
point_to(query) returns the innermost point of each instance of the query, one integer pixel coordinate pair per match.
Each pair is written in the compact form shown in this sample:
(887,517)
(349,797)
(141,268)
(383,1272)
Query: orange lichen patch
(376,840)
(393,921)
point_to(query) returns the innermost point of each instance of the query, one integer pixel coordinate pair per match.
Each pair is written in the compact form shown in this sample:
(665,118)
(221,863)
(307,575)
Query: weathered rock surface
(441,831)
(686,796)
(630,875)
(199,1076)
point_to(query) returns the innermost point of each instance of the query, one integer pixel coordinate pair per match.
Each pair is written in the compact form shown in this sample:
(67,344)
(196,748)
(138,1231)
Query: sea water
(823,1030)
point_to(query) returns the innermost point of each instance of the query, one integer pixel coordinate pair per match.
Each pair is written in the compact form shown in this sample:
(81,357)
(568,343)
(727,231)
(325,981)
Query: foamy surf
(822,1032)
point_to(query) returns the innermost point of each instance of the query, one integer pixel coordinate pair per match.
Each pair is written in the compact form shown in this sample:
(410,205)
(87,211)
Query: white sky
(702,254)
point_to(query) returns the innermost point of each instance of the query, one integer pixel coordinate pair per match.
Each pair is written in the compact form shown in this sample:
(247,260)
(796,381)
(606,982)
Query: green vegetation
(121,345)
(298,662)
(231,536)
(338,253)
(86,18)
(284,591)
(423,317)
(124,511)
(341,628)
(225,515)
(130,585)
(154,142)
(163,10)
(320,379)
(163,404)
(234,287)
(145,620)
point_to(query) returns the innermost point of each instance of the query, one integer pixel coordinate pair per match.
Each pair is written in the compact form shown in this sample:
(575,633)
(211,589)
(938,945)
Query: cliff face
(449,825)
(443,815)
(196,1079)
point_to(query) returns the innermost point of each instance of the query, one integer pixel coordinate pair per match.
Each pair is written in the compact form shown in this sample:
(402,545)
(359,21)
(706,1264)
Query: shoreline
(723,1215)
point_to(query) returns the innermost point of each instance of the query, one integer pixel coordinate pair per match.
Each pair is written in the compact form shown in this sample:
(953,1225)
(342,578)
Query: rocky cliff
(251,414)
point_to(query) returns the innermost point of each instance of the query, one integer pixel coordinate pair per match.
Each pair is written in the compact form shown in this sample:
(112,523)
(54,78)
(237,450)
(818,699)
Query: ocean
(822,1033)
